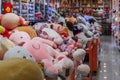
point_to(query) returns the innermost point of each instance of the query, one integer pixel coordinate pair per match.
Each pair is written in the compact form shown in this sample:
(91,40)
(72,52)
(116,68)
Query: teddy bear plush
(32,33)
(18,52)
(10,21)
(19,37)
(21,69)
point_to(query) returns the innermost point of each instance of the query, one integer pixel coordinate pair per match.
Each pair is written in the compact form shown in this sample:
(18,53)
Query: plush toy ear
(22,21)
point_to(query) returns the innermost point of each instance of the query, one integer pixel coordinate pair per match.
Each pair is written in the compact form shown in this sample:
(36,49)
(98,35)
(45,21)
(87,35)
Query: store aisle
(109,60)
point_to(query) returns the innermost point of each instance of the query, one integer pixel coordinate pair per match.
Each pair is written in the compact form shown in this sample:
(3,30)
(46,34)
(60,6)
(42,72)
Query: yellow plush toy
(32,33)
(20,69)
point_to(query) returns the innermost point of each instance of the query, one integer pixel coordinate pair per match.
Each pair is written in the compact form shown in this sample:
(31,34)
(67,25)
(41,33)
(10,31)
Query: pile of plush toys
(45,50)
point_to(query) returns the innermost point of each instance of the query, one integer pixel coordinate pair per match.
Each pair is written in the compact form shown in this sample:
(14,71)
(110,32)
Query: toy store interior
(60,39)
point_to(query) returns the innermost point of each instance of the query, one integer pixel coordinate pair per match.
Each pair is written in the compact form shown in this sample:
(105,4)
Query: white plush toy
(83,69)
(19,37)
(79,54)
(52,33)
(37,26)
(86,29)
(18,52)
(65,66)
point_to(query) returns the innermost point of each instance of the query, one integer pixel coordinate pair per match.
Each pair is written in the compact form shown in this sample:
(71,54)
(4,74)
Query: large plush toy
(48,33)
(19,37)
(20,69)
(18,52)
(10,21)
(43,53)
(32,33)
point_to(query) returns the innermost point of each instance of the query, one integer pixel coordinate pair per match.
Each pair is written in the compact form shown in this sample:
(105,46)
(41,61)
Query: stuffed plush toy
(63,31)
(79,54)
(61,21)
(19,37)
(18,52)
(65,66)
(43,53)
(52,33)
(83,69)
(72,20)
(32,33)
(5,45)
(20,69)
(10,21)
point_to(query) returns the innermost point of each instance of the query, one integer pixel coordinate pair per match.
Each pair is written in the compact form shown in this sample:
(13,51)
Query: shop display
(65,43)
(16,7)
(31,10)
(24,9)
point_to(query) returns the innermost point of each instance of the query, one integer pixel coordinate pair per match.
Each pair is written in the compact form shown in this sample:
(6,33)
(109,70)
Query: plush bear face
(19,37)
(18,52)
(10,21)
(32,33)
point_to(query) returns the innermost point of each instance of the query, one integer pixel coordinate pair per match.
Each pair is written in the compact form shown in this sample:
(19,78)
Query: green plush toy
(2,29)
(20,69)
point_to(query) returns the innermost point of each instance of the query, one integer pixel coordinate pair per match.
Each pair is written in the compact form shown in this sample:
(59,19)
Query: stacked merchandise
(24,9)
(16,7)
(116,28)
(56,48)
(31,10)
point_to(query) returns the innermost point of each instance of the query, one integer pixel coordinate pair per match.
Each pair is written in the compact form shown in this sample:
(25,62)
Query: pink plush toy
(10,21)
(19,37)
(42,52)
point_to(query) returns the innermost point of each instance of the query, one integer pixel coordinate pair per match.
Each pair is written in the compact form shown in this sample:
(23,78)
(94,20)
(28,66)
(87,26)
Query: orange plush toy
(10,21)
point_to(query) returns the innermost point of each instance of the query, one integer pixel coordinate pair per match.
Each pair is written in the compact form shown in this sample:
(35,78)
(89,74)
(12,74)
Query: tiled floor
(109,57)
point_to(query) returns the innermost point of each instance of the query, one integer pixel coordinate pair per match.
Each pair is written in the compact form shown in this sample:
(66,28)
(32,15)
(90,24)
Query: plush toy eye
(18,51)
(30,56)
(24,57)
(21,37)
